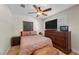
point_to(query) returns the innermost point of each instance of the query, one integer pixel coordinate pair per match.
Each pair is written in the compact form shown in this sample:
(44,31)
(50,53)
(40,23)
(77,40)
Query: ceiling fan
(39,11)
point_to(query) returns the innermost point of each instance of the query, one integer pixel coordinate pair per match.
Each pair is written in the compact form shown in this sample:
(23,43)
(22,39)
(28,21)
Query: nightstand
(15,40)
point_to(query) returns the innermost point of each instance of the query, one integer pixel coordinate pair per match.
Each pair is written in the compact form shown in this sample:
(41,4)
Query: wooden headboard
(15,41)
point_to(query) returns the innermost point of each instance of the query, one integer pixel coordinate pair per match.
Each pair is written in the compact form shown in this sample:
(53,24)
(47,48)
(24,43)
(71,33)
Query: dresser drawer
(59,34)
(60,45)
(60,41)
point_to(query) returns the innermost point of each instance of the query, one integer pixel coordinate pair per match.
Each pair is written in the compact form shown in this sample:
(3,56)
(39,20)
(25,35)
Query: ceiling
(18,10)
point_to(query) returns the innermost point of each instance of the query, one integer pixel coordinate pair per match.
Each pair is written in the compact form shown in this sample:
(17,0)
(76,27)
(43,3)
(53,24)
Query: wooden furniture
(61,40)
(15,41)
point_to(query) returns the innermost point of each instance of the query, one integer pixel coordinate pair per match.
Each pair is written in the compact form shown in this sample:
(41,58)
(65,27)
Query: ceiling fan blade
(49,9)
(44,14)
(35,6)
(39,8)
(23,5)
(31,12)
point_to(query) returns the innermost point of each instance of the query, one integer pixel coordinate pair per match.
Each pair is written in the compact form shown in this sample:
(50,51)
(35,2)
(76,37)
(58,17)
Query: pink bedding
(31,43)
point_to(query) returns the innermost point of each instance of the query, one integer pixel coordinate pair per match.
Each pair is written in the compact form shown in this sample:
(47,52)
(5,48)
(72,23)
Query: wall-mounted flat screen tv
(51,24)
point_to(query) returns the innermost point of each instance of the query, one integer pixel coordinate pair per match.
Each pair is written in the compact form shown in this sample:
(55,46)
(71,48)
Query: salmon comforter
(32,43)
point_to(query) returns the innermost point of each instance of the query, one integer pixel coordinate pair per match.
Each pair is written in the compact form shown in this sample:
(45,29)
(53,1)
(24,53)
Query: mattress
(31,43)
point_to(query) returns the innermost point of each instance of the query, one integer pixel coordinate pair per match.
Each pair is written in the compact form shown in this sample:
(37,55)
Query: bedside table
(15,40)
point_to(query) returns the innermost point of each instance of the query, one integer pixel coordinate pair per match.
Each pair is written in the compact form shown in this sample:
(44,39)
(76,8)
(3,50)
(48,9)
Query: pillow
(28,33)
(25,33)
(33,33)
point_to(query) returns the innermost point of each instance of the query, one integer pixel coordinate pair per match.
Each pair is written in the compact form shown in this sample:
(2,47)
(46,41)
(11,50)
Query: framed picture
(63,28)
(27,26)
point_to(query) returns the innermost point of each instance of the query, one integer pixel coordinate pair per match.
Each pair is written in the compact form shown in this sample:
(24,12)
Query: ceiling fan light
(39,13)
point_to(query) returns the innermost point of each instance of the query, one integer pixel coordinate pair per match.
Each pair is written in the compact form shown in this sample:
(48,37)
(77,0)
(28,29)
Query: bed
(33,44)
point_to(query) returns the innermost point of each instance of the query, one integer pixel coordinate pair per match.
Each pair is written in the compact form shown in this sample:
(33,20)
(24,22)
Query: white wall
(18,23)
(69,17)
(5,28)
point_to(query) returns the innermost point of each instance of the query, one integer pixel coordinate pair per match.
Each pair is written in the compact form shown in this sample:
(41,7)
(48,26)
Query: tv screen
(51,24)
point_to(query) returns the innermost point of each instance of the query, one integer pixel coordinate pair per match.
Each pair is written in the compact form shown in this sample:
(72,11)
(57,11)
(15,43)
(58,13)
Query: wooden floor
(72,53)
